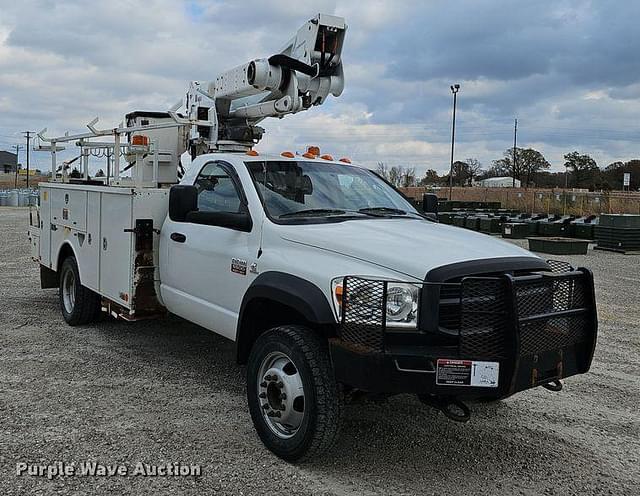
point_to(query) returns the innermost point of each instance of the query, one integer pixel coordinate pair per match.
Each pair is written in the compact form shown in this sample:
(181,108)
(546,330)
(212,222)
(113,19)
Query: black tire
(323,398)
(85,307)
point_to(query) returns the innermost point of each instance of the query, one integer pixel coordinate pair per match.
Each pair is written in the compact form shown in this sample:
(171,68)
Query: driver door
(207,269)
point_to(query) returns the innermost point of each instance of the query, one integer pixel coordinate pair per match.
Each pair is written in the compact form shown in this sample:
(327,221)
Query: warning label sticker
(467,373)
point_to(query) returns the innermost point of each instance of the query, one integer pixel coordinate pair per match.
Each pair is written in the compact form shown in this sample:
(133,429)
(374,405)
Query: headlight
(402,305)
(401,302)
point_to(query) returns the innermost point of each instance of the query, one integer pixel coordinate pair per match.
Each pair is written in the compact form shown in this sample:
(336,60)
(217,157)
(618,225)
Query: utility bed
(112,232)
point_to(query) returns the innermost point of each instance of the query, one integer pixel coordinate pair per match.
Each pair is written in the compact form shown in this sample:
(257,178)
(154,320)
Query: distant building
(8,162)
(498,182)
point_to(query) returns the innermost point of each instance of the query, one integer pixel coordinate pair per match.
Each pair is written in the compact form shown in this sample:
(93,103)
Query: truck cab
(263,249)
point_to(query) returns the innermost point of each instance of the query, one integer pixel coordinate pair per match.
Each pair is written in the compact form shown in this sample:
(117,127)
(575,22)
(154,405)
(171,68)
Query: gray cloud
(567,69)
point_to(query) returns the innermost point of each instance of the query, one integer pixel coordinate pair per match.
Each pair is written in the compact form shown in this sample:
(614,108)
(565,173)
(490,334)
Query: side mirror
(430,203)
(240,221)
(182,200)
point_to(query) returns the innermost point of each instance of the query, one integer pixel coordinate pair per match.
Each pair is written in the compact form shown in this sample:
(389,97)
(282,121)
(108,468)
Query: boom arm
(303,74)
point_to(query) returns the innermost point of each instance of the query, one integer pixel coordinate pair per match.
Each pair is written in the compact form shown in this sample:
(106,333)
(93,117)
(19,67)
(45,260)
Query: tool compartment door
(115,247)
(69,208)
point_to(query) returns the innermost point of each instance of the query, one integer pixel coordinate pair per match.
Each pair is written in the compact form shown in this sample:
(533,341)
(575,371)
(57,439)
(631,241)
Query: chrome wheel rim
(68,290)
(281,394)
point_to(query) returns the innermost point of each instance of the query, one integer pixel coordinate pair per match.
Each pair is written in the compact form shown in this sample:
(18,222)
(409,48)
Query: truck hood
(408,246)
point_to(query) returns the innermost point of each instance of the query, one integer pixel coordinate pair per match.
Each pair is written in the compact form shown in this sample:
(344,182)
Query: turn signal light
(252,153)
(345,160)
(326,157)
(287,154)
(338,293)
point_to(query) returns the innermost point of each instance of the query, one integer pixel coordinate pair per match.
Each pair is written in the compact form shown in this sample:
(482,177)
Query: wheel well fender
(276,298)
(65,251)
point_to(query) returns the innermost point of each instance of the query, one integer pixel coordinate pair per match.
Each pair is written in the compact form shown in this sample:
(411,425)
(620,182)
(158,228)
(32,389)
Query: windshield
(321,189)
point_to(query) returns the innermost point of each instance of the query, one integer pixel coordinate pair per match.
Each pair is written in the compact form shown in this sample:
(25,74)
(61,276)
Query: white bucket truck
(330,282)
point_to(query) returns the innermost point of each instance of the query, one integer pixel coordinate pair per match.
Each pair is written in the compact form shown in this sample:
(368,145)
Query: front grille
(483,318)
(449,307)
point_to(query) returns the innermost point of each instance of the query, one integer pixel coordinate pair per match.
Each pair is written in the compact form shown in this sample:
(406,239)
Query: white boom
(303,74)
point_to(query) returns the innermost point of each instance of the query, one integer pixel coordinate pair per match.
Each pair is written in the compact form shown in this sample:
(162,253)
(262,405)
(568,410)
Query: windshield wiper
(312,212)
(382,210)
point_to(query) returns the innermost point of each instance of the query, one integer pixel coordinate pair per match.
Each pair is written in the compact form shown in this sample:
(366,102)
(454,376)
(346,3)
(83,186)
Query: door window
(217,191)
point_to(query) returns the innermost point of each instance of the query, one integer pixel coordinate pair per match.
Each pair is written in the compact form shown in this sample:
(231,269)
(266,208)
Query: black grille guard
(520,321)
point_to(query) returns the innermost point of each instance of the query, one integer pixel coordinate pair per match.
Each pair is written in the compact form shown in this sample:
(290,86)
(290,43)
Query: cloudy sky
(568,70)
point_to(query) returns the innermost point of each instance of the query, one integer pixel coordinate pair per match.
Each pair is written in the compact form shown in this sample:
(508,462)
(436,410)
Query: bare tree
(408,177)
(527,164)
(383,170)
(474,168)
(395,175)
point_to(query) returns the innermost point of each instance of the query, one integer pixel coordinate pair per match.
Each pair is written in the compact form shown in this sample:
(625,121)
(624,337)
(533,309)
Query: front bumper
(525,330)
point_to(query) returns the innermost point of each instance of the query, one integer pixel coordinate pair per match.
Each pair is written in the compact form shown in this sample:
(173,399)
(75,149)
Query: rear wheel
(294,401)
(78,303)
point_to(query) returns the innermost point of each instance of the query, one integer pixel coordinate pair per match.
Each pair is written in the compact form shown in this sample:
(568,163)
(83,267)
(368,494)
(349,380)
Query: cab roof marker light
(308,155)
(345,160)
(315,150)
(252,153)
(287,155)
(326,157)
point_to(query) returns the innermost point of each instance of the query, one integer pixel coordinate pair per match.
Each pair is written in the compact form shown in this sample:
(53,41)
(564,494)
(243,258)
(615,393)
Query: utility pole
(454,89)
(17,147)
(515,138)
(27,134)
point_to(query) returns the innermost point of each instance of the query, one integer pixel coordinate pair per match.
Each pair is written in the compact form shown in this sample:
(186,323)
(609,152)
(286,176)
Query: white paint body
(194,278)
(197,284)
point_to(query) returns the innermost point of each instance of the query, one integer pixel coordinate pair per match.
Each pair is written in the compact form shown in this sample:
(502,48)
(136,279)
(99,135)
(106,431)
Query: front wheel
(294,401)
(78,303)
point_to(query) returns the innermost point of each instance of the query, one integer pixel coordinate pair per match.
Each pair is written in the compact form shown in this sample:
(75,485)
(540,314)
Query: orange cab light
(315,150)
(252,153)
(308,155)
(345,160)
(287,154)
(139,140)
(326,157)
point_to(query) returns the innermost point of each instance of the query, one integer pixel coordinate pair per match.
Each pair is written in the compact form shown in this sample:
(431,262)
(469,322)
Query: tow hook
(554,386)
(452,408)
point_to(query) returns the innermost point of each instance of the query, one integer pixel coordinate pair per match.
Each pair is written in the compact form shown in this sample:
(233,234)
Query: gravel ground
(168,391)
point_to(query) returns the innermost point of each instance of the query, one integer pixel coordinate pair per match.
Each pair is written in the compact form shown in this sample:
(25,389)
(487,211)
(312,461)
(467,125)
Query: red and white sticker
(467,373)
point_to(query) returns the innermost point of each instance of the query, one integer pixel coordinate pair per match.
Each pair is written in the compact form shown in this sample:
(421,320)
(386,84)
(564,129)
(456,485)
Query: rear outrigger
(329,281)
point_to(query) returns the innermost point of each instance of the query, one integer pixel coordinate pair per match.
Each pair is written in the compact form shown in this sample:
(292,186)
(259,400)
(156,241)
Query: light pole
(566,185)
(454,89)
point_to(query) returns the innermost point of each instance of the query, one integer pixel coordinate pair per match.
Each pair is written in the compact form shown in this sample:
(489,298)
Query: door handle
(178,237)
